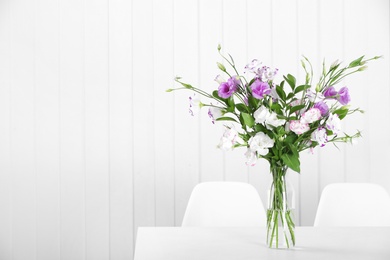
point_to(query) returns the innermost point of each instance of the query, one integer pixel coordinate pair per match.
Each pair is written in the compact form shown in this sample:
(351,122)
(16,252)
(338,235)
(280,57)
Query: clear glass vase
(280,210)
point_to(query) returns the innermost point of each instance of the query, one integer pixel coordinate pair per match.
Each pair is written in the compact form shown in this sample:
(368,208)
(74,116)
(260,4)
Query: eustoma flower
(263,73)
(314,96)
(260,89)
(319,135)
(261,114)
(251,157)
(228,139)
(311,115)
(214,113)
(299,127)
(343,96)
(270,119)
(323,107)
(330,92)
(226,89)
(195,104)
(260,143)
(274,121)
(333,124)
(266,73)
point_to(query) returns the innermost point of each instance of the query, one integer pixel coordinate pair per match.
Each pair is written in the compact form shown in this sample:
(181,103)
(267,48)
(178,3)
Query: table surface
(312,243)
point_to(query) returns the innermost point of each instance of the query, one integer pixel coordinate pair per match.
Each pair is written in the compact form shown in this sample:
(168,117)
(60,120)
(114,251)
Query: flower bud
(362,68)
(334,64)
(221,67)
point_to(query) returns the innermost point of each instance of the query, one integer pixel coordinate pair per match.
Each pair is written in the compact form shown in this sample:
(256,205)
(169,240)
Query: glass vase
(280,215)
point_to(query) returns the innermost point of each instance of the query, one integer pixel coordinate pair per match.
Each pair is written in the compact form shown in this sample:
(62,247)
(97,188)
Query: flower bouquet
(277,121)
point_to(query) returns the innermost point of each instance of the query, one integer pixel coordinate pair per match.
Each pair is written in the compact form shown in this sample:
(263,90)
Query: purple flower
(260,89)
(343,96)
(323,107)
(330,92)
(226,89)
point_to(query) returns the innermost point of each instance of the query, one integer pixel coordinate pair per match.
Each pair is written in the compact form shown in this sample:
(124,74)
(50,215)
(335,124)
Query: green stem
(279,212)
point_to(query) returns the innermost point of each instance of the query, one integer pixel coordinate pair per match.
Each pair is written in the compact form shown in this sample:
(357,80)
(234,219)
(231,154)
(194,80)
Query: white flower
(273,120)
(251,157)
(228,139)
(333,124)
(253,67)
(219,79)
(319,135)
(314,96)
(311,115)
(260,143)
(214,113)
(261,114)
(195,104)
(266,73)
(299,127)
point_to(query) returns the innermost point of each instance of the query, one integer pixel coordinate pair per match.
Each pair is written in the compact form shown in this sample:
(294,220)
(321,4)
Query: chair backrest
(353,204)
(224,204)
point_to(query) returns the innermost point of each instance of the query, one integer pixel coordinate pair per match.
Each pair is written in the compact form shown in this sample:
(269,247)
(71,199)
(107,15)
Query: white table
(312,243)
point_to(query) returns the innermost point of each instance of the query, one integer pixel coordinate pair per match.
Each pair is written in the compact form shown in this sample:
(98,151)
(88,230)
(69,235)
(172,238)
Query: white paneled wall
(91,145)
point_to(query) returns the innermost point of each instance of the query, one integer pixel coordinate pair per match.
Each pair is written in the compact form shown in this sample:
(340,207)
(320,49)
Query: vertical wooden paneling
(285,58)
(91,145)
(72,134)
(143,115)
(307,33)
(259,42)
(210,35)
(331,42)
(164,133)
(120,109)
(5,133)
(356,170)
(378,91)
(235,43)
(97,129)
(23,165)
(186,65)
(46,63)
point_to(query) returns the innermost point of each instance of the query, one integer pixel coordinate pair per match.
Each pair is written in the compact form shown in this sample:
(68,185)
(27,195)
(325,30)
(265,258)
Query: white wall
(91,145)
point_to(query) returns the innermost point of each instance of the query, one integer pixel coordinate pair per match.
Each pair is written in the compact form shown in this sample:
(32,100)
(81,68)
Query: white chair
(224,204)
(353,204)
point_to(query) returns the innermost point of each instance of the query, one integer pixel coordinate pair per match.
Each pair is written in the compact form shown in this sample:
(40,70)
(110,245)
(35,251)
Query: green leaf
(247,119)
(296,108)
(230,104)
(226,118)
(341,112)
(291,138)
(186,85)
(290,80)
(356,62)
(253,102)
(290,96)
(292,161)
(281,93)
(301,88)
(277,108)
(242,107)
(215,95)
